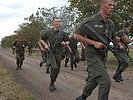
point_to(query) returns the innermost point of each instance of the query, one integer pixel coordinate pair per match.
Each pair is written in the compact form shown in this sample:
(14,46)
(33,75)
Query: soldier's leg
(83,55)
(13,51)
(117,73)
(21,60)
(17,60)
(71,60)
(43,58)
(53,75)
(66,60)
(122,66)
(76,60)
(97,76)
(54,72)
(47,68)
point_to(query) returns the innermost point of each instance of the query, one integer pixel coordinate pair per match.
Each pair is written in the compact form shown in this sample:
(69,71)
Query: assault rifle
(51,61)
(111,48)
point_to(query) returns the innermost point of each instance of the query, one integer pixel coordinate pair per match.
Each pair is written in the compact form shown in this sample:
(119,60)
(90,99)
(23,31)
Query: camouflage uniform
(124,53)
(66,55)
(30,46)
(20,51)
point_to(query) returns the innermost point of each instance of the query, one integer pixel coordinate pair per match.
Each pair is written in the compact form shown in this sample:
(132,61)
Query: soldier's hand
(63,43)
(121,46)
(46,47)
(13,47)
(99,45)
(42,49)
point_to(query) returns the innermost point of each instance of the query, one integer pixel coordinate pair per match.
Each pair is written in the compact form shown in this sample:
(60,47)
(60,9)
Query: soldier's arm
(86,40)
(14,43)
(42,45)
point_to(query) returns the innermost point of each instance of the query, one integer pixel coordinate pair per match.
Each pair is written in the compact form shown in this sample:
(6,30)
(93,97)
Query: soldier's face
(20,37)
(56,23)
(108,7)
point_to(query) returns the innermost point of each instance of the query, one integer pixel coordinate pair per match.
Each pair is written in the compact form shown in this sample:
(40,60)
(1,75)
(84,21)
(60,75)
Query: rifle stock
(112,49)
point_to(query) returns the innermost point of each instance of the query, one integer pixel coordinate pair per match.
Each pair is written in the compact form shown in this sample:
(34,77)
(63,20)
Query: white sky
(13,12)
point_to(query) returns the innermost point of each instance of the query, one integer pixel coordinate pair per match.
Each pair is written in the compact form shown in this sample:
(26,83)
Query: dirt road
(69,83)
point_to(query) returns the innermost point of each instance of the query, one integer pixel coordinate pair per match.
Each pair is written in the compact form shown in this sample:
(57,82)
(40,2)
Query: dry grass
(9,89)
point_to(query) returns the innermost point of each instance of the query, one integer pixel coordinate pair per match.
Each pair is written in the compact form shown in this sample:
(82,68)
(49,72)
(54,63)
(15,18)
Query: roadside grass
(112,61)
(9,89)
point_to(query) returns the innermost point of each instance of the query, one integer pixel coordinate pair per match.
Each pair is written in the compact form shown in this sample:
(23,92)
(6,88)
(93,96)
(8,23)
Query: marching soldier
(53,40)
(95,50)
(123,51)
(30,46)
(20,44)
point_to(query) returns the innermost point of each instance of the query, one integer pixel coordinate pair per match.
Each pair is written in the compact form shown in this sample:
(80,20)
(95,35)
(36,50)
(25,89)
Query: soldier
(20,44)
(53,40)
(44,57)
(96,51)
(123,51)
(74,56)
(66,55)
(30,46)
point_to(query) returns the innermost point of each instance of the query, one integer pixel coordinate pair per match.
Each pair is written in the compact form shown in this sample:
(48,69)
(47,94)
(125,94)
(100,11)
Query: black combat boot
(40,64)
(47,71)
(17,62)
(75,65)
(116,78)
(120,77)
(72,66)
(52,87)
(20,67)
(65,64)
(82,97)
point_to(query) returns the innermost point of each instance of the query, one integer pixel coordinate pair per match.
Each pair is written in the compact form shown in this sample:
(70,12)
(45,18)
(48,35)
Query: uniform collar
(126,31)
(54,30)
(101,19)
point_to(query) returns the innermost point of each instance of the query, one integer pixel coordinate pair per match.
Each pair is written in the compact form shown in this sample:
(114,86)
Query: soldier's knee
(108,82)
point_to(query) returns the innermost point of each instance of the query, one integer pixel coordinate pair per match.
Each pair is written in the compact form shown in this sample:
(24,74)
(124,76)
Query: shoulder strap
(56,40)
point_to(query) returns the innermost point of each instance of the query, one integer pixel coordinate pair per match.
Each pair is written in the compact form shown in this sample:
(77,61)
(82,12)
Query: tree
(41,21)
(7,41)
(66,14)
(123,10)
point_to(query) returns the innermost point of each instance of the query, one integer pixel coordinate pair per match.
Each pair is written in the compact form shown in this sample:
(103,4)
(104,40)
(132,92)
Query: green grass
(112,61)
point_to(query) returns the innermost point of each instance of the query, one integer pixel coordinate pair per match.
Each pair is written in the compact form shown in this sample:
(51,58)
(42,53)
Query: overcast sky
(13,12)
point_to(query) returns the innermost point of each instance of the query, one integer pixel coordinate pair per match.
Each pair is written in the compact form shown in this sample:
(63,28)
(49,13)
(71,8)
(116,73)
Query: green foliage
(123,10)
(37,23)
(66,14)
(7,41)
(70,16)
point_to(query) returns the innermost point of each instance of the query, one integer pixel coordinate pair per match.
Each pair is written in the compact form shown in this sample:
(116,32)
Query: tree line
(71,16)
